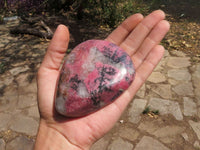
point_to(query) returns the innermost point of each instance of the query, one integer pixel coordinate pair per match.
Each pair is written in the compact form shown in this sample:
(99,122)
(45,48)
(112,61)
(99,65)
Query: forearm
(50,139)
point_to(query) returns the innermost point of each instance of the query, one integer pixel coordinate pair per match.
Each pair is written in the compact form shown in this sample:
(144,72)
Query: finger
(153,39)
(151,61)
(142,73)
(122,31)
(56,49)
(136,37)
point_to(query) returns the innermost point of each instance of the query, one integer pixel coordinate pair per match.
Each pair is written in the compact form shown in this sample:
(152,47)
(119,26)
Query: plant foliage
(102,12)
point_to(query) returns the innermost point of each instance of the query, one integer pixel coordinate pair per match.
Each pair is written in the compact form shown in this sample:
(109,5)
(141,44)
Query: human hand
(140,38)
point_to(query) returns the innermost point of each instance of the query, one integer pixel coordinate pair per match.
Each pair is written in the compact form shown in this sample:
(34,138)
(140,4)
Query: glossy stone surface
(93,75)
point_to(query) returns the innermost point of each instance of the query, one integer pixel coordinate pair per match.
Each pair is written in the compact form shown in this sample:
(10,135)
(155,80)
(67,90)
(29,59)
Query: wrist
(50,139)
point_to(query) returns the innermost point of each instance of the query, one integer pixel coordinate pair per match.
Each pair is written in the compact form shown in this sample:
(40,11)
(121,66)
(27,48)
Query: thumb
(57,48)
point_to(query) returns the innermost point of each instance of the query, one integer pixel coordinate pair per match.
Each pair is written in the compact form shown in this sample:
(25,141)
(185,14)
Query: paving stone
(179,74)
(2,144)
(141,92)
(196,127)
(4,118)
(163,90)
(169,134)
(33,112)
(148,143)
(20,143)
(166,54)
(101,144)
(8,103)
(30,88)
(173,82)
(27,100)
(160,65)
(149,126)
(119,144)
(190,108)
(178,53)
(22,79)
(184,89)
(129,133)
(23,124)
(166,107)
(178,62)
(17,70)
(137,107)
(11,90)
(156,77)
(168,131)
(165,133)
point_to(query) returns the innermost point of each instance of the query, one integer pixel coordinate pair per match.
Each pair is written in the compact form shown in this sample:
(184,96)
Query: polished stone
(93,75)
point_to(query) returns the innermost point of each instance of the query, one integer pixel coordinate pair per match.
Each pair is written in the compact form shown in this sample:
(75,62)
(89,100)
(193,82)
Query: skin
(140,38)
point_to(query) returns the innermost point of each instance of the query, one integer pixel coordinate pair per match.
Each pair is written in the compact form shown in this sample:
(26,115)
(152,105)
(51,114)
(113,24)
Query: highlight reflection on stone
(94,74)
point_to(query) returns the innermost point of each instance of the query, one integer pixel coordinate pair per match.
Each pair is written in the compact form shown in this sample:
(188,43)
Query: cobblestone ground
(170,97)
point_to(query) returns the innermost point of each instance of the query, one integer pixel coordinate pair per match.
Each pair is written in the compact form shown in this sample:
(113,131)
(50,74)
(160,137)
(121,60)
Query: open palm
(140,38)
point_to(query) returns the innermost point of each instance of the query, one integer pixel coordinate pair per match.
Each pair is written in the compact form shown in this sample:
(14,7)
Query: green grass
(105,12)
(112,13)
(148,110)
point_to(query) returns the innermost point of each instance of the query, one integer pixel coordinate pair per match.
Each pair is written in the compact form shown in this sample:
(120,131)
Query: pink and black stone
(93,75)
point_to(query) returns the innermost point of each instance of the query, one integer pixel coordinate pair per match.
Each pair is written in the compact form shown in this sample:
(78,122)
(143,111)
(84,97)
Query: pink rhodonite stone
(94,74)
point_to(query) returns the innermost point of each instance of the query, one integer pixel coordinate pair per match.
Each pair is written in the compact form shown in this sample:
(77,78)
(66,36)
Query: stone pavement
(170,100)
